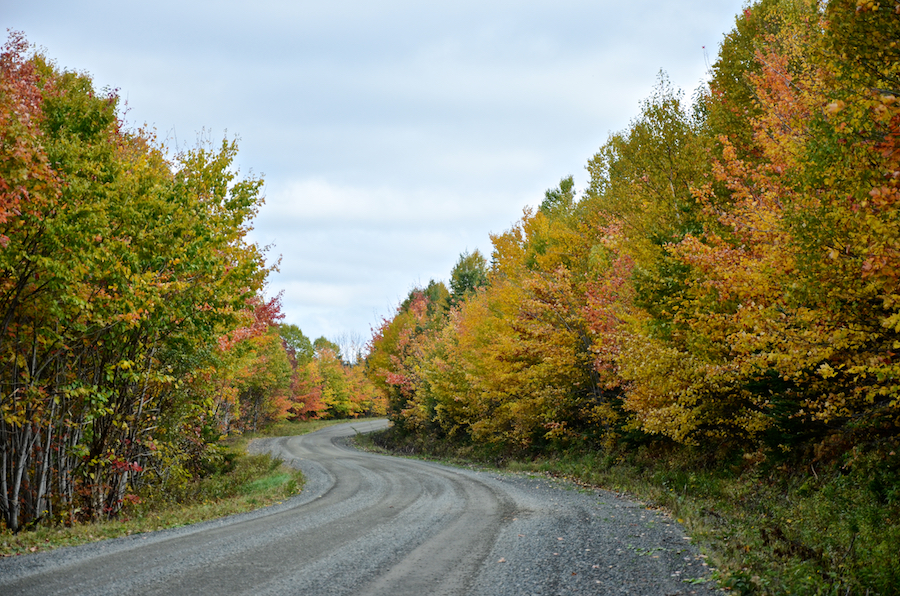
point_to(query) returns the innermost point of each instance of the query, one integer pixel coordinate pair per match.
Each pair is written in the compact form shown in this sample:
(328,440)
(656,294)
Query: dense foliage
(132,328)
(731,273)
(730,279)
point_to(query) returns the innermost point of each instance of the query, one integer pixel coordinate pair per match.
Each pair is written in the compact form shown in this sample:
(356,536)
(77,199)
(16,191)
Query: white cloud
(394,134)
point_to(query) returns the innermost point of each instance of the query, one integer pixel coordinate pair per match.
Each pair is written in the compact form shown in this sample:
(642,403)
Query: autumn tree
(298,346)
(468,275)
(119,271)
(396,350)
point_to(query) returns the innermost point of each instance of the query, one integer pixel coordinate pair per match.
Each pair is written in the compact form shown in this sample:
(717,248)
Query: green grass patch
(289,429)
(239,441)
(266,484)
(768,527)
(243,483)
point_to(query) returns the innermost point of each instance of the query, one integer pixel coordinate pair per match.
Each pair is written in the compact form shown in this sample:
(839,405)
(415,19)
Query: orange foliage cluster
(327,387)
(263,376)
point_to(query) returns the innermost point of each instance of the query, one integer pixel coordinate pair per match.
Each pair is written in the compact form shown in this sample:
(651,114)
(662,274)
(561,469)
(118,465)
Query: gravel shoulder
(373,524)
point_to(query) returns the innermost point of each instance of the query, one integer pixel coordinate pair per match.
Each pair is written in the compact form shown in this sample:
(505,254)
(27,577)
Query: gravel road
(376,525)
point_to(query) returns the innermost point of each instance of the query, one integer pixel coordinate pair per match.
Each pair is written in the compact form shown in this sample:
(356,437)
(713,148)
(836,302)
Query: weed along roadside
(765,527)
(239,482)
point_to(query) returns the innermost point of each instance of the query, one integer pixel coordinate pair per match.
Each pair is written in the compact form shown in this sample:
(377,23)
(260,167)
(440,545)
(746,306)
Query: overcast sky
(392,136)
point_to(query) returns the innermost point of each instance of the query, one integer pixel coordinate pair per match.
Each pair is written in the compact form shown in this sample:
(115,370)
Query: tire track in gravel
(378,525)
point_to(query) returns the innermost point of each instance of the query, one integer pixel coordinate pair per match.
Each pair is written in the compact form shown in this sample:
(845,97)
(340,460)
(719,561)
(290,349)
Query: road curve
(376,525)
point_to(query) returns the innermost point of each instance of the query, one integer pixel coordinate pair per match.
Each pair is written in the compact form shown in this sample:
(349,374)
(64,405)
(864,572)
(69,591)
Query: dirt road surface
(375,525)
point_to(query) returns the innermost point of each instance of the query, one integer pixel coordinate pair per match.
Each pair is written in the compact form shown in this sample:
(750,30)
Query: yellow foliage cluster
(732,273)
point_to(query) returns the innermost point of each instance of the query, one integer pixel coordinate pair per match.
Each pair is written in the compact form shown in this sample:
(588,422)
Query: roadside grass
(285,429)
(768,527)
(248,482)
